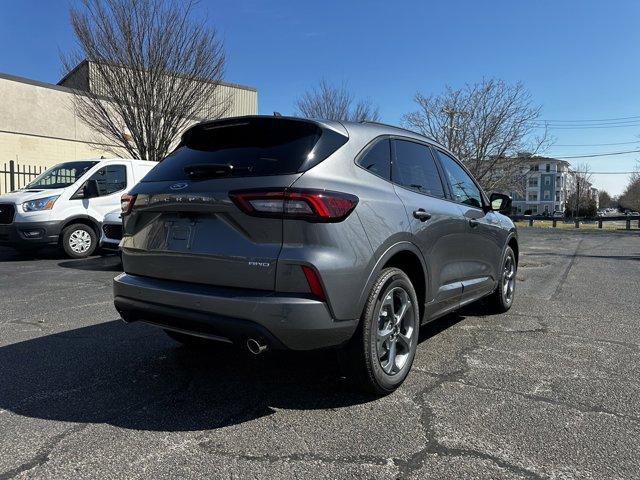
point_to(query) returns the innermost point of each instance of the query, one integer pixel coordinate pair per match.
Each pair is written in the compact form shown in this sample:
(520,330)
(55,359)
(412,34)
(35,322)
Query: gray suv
(286,233)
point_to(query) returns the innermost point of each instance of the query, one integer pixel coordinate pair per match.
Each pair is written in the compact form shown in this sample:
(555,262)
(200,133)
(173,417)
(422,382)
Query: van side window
(414,168)
(378,159)
(111,179)
(464,189)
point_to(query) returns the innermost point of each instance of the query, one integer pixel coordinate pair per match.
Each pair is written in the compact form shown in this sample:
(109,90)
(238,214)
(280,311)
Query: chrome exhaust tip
(255,346)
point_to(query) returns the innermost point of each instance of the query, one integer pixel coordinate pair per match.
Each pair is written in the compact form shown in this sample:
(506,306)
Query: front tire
(501,300)
(382,351)
(79,240)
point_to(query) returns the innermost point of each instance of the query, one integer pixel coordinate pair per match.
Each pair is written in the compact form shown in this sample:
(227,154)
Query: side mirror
(500,203)
(90,189)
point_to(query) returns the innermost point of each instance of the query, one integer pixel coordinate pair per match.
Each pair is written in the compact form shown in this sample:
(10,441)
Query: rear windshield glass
(252,147)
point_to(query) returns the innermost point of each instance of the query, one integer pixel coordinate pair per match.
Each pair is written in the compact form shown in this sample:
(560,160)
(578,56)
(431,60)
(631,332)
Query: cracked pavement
(549,390)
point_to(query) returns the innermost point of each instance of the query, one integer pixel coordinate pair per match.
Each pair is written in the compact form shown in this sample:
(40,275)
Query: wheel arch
(512,241)
(407,257)
(83,219)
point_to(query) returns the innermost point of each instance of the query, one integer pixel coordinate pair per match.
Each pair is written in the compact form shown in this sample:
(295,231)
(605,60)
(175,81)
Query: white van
(66,204)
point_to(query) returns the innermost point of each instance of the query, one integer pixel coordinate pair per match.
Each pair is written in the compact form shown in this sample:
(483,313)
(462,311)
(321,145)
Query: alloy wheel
(395,334)
(508,278)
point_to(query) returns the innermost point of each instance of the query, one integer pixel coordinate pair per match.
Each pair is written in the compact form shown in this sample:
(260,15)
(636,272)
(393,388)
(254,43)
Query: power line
(605,173)
(593,120)
(582,127)
(598,154)
(593,144)
(592,124)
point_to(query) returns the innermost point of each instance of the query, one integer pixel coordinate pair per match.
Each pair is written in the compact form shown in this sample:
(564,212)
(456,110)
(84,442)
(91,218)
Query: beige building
(38,126)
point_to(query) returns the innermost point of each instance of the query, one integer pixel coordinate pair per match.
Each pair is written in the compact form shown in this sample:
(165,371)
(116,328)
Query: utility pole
(451,113)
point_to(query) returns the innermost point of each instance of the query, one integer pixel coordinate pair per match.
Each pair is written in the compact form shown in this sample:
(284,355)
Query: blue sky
(579,59)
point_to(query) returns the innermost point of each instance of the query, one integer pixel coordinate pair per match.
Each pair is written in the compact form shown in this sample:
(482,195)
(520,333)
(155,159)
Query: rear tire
(381,352)
(501,300)
(79,240)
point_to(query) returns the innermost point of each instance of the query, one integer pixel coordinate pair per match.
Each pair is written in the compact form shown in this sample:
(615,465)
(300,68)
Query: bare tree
(335,102)
(486,124)
(630,198)
(154,69)
(579,198)
(604,199)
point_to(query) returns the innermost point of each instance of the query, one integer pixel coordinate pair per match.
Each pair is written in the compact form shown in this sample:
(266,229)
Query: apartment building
(547,184)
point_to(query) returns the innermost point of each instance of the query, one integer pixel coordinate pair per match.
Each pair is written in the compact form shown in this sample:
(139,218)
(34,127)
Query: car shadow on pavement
(106,263)
(46,253)
(135,377)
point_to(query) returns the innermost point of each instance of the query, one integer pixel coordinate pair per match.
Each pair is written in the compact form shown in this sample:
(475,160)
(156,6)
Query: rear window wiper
(212,170)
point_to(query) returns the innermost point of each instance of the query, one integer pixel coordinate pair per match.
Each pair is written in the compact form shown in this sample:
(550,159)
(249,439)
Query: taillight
(314,282)
(303,204)
(126,203)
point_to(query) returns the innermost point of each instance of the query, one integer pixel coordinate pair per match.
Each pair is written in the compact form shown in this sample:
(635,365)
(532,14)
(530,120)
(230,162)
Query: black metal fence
(577,221)
(14,175)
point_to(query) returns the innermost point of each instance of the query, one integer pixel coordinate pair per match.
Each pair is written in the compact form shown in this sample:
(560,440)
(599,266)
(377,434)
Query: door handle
(473,222)
(421,214)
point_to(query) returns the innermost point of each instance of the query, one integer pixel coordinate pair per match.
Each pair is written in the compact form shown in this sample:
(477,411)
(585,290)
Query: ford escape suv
(286,233)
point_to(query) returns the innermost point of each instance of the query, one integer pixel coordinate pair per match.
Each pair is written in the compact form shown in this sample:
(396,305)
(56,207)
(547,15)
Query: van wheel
(501,300)
(79,240)
(382,350)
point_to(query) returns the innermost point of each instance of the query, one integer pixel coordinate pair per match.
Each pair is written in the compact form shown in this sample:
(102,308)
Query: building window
(533,197)
(547,180)
(547,167)
(547,195)
(534,168)
(557,196)
(534,208)
(533,182)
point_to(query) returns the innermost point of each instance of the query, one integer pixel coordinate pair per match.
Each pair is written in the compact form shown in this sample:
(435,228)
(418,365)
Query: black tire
(501,299)
(364,356)
(188,340)
(71,237)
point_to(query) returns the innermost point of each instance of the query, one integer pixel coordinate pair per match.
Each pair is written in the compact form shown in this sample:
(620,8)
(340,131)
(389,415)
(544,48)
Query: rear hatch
(184,224)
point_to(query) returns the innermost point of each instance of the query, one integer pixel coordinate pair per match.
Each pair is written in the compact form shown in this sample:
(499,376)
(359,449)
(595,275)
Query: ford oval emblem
(178,186)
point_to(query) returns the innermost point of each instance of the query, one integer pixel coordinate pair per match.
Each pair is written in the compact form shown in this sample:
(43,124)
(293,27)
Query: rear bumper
(282,320)
(29,233)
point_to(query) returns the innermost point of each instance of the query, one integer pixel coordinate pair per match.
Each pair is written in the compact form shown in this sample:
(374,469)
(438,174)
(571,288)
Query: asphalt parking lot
(549,390)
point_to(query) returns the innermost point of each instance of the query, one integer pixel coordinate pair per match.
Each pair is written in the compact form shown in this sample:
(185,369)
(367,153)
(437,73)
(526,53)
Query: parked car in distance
(608,212)
(558,214)
(286,233)
(111,231)
(634,214)
(66,204)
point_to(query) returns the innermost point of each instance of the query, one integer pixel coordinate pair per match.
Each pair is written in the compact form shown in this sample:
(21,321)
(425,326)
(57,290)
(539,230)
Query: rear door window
(251,147)
(414,168)
(377,159)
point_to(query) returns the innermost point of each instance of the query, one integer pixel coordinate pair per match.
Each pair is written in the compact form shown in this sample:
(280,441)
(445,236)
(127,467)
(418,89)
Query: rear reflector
(303,204)
(314,282)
